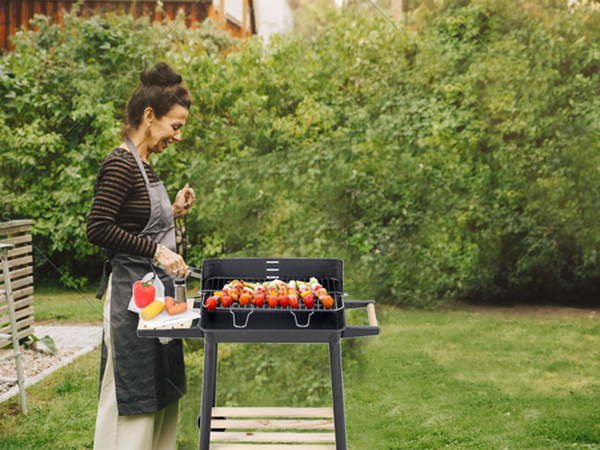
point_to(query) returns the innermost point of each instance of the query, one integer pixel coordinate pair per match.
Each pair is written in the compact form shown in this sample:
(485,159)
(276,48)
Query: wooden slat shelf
(272,424)
(281,428)
(270,447)
(326,413)
(279,437)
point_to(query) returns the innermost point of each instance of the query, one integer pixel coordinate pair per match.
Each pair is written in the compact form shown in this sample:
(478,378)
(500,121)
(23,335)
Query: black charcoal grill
(252,324)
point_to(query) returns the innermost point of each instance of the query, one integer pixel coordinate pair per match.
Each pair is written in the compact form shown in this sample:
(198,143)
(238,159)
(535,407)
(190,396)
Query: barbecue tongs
(195,272)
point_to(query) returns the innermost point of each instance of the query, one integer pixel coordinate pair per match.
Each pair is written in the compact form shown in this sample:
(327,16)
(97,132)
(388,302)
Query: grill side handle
(353,331)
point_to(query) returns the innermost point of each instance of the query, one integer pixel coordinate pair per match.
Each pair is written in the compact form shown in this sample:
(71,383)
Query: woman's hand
(184,200)
(173,263)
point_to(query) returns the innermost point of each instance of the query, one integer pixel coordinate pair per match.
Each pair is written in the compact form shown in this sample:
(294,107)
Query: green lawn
(54,305)
(486,381)
(452,379)
(62,410)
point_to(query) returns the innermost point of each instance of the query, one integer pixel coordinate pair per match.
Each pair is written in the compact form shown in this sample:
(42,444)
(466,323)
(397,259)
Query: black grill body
(251,324)
(266,324)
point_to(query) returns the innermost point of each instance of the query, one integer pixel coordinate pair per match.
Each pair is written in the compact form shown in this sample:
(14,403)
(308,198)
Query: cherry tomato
(328,301)
(259,300)
(245,299)
(309,301)
(293,300)
(211,303)
(284,300)
(273,301)
(227,301)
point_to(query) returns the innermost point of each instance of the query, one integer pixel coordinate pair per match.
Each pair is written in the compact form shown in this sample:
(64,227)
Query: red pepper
(143,293)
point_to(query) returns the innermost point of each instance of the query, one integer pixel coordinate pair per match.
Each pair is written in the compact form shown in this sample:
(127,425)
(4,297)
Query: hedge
(456,160)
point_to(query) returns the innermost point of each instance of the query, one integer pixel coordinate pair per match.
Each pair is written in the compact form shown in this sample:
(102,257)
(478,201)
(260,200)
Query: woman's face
(167,129)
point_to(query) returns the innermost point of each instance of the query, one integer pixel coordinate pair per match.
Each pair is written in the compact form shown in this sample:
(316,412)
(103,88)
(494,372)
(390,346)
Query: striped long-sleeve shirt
(121,206)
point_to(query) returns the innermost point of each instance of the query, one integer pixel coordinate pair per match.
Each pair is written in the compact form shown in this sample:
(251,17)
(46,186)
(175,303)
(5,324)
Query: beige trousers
(152,431)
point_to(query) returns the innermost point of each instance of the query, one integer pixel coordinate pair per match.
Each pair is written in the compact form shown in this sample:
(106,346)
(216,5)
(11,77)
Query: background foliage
(455,159)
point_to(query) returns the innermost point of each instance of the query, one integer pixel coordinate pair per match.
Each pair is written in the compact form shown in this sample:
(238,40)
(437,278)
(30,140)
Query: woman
(141,379)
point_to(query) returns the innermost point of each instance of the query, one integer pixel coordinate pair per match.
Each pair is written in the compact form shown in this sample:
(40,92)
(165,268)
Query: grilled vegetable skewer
(275,293)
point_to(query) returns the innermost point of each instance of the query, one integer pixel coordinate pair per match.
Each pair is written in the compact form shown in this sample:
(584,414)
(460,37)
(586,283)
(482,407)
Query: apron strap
(106,271)
(136,155)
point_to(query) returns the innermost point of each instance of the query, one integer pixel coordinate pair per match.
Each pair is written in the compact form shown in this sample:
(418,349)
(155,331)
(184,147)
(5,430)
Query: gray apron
(149,375)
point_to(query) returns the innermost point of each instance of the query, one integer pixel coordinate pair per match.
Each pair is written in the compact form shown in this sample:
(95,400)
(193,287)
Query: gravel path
(71,343)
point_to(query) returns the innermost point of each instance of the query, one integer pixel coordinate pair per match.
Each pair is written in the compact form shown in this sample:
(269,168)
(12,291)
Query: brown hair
(161,89)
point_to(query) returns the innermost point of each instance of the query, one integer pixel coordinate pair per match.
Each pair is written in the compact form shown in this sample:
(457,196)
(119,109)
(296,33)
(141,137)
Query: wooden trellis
(18,233)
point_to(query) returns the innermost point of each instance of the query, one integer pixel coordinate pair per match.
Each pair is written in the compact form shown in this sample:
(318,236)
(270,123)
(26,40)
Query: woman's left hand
(184,200)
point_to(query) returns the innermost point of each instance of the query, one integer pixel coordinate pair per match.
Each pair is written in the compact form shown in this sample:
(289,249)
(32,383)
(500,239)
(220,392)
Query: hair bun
(160,75)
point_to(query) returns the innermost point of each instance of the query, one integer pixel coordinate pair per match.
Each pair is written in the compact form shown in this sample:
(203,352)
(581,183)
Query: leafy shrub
(456,161)
(64,92)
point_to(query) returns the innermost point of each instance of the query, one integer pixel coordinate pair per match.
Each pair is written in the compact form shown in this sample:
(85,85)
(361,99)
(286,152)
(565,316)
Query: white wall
(272,17)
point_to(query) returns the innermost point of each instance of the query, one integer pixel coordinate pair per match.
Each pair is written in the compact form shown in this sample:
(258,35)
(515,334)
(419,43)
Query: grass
(54,305)
(485,381)
(432,379)
(62,410)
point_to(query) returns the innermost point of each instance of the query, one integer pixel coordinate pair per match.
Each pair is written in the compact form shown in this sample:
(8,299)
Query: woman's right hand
(173,263)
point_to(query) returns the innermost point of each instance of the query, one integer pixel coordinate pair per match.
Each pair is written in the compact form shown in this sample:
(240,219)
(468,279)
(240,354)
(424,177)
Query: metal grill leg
(4,248)
(209,388)
(337,390)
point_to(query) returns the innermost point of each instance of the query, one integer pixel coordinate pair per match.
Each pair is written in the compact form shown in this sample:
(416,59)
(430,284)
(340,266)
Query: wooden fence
(18,233)
(16,13)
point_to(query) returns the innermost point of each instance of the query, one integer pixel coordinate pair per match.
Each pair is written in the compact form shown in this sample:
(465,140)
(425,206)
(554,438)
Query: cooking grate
(332,285)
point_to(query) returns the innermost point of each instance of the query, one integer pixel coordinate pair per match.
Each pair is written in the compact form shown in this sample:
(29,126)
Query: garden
(450,161)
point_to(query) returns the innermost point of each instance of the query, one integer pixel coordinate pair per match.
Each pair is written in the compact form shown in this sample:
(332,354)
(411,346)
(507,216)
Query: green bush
(452,161)
(64,91)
